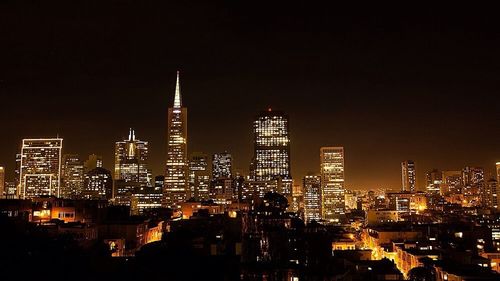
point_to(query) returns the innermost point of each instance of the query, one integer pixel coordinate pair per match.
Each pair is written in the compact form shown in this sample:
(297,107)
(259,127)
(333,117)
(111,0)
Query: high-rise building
(131,172)
(72,176)
(98,184)
(332,183)
(131,156)
(222,165)
(312,198)
(3,190)
(408,176)
(472,180)
(498,171)
(452,182)
(271,169)
(176,171)
(433,181)
(490,194)
(17,172)
(94,161)
(199,176)
(40,167)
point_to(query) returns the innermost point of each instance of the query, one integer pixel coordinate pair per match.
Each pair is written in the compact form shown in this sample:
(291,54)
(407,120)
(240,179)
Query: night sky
(387,83)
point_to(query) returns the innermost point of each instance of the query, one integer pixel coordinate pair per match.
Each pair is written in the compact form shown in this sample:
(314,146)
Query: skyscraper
(131,156)
(472,180)
(176,170)
(490,194)
(40,167)
(222,165)
(498,171)
(271,162)
(98,184)
(72,176)
(332,182)
(312,198)
(452,182)
(433,181)
(408,176)
(199,176)
(131,170)
(3,190)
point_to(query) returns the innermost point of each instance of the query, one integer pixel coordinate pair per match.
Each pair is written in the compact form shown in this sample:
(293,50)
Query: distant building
(433,181)
(312,198)
(94,161)
(222,165)
(131,172)
(40,167)
(3,190)
(176,171)
(498,171)
(490,194)
(72,176)
(472,180)
(131,156)
(452,182)
(408,176)
(332,182)
(98,185)
(271,169)
(199,176)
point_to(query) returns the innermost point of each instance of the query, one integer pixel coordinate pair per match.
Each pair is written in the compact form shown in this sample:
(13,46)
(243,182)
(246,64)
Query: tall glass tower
(271,161)
(408,176)
(332,182)
(176,184)
(40,167)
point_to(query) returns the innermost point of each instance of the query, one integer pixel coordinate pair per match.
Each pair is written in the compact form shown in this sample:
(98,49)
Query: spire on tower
(131,134)
(177,98)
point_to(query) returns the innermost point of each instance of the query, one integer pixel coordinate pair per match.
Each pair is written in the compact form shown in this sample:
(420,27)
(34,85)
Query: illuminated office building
(94,161)
(408,176)
(332,182)
(176,171)
(452,182)
(3,190)
(271,162)
(472,180)
(498,171)
(131,170)
(98,184)
(40,167)
(72,176)
(222,165)
(312,198)
(490,194)
(433,181)
(131,156)
(199,177)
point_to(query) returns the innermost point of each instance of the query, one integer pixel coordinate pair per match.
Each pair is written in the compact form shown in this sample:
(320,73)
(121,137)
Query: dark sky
(387,83)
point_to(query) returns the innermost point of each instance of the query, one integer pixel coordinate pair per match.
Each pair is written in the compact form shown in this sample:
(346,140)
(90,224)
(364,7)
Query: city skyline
(385,87)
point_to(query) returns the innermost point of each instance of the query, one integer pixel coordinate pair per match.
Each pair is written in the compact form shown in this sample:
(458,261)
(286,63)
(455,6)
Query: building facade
(312,198)
(72,176)
(3,190)
(408,176)
(271,162)
(98,185)
(177,171)
(332,182)
(222,165)
(199,177)
(40,167)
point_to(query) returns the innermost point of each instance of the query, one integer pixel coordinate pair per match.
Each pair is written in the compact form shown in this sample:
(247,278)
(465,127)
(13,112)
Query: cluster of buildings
(42,169)
(272,223)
